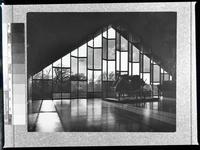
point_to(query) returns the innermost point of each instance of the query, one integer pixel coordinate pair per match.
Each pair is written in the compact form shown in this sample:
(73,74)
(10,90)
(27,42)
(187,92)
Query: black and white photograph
(99,74)
(101,71)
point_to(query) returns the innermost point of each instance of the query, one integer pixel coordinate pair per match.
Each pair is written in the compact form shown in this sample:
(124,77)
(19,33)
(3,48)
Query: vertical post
(102,64)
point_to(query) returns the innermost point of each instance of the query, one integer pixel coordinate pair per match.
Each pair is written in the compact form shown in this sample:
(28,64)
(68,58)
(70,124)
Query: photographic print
(101,72)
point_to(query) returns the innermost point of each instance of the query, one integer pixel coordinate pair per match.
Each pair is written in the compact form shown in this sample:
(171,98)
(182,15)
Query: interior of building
(101,72)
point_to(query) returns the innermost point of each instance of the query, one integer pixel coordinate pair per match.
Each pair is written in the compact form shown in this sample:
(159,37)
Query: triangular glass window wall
(91,70)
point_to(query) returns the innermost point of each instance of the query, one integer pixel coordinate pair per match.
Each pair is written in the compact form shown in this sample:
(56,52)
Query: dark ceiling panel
(52,35)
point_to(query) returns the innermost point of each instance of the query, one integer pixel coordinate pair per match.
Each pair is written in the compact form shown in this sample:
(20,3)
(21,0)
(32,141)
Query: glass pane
(111,33)
(38,75)
(82,87)
(66,95)
(135,54)
(82,69)
(82,51)
(90,43)
(156,73)
(90,57)
(66,84)
(111,49)
(153,62)
(105,34)
(118,41)
(74,89)
(66,61)
(57,63)
(57,73)
(129,70)
(57,84)
(146,64)
(166,77)
(155,89)
(124,73)
(162,71)
(124,61)
(97,81)
(124,44)
(105,47)
(74,52)
(90,81)
(98,41)
(170,78)
(47,89)
(146,78)
(136,68)
(104,70)
(111,70)
(130,52)
(37,88)
(162,78)
(118,60)
(65,74)
(74,66)
(97,58)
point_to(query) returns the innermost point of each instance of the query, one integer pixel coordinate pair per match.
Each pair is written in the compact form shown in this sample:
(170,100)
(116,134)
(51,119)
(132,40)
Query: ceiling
(52,35)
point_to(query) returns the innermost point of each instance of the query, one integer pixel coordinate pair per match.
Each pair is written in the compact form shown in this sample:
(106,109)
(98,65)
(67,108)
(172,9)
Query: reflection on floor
(96,115)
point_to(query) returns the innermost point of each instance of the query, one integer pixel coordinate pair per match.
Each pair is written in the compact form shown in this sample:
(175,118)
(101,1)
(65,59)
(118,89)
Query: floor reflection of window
(82,108)
(74,108)
(97,109)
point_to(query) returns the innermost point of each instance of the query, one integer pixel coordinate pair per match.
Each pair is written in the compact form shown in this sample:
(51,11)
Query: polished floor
(97,115)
